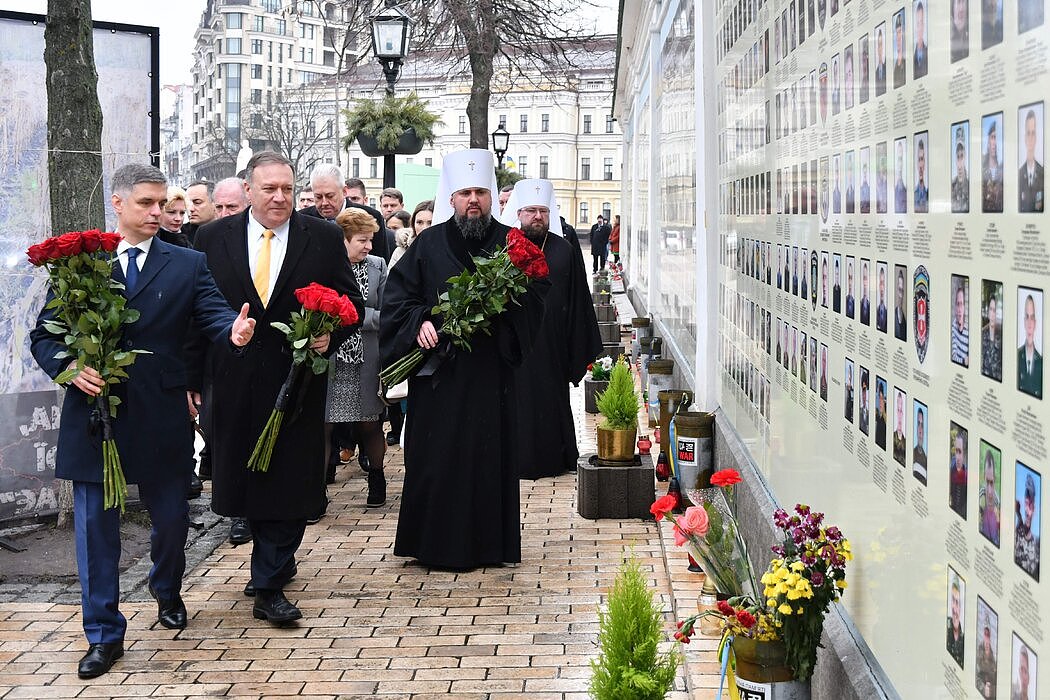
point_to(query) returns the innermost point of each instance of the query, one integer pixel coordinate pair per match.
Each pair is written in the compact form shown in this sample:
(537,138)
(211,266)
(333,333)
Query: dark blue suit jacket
(153,430)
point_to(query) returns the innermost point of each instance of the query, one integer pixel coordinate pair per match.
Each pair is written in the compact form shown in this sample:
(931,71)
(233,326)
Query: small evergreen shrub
(618,404)
(629,665)
(386,119)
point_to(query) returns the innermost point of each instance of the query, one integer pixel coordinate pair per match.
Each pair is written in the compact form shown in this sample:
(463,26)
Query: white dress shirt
(278,248)
(122,253)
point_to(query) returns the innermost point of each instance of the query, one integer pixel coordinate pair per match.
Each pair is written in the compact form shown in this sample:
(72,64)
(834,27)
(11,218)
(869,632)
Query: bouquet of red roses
(475,299)
(89,314)
(323,311)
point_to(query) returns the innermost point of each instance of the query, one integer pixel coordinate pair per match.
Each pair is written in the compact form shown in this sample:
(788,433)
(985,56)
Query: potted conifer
(392,125)
(618,405)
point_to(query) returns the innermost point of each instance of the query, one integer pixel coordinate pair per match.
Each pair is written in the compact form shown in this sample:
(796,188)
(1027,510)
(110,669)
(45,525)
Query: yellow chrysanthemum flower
(784,609)
(841,584)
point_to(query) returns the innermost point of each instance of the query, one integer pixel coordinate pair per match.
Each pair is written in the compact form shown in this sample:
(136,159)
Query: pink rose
(695,521)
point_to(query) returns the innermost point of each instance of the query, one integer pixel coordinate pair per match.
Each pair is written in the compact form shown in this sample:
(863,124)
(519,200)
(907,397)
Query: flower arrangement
(475,298)
(87,309)
(807,575)
(600,368)
(711,534)
(323,310)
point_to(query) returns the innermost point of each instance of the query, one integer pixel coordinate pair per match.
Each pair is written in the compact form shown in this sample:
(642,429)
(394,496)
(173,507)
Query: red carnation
(725,608)
(726,477)
(91,241)
(110,241)
(662,506)
(746,619)
(69,244)
(525,255)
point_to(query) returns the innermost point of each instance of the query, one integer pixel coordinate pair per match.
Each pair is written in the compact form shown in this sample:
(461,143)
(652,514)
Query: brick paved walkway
(374,624)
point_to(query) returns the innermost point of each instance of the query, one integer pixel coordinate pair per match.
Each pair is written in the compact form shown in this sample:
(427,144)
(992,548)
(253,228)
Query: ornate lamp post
(391,33)
(500,141)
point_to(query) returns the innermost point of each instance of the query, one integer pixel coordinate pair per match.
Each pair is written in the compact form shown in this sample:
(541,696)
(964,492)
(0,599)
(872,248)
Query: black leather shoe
(274,607)
(240,531)
(365,463)
(170,613)
(99,659)
(392,439)
(195,487)
(376,489)
(249,588)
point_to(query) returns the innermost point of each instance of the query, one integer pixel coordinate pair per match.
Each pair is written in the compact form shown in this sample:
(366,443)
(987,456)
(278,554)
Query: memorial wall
(128,85)
(883,263)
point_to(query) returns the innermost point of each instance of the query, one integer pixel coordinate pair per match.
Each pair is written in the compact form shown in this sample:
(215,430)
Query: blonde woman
(172,216)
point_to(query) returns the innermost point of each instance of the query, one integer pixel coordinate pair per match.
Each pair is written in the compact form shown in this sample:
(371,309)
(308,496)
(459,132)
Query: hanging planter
(408,144)
(392,125)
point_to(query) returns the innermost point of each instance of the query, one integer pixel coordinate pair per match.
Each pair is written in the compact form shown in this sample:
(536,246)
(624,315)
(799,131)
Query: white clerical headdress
(532,193)
(472,167)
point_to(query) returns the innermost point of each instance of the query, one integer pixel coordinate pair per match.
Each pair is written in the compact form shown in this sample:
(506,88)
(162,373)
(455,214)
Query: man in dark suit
(201,208)
(1029,361)
(880,60)
(169,287)
(880,310)
(328,186)
(260,257)
(599,243)
(1030,176)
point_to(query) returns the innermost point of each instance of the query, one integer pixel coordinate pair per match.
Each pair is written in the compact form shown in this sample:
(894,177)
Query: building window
(608,123)
(269,76)
(584,213)
(256,97)
(524,123)
(282,27)
(607,169)
(545,123)
(585,168)
(234,20)
(462,124)
(503,121)
(373,168)
(257,47)
(257,71)
(586,123)
(544,165)
(306,31)
(607,212)
(259,23)
(271,5)
(429,162)
(522,164)
(233,45)
(307,8)
(355,167)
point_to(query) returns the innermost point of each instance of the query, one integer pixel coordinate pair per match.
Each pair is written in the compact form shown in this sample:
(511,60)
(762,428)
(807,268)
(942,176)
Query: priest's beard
(474,227)
(535,232)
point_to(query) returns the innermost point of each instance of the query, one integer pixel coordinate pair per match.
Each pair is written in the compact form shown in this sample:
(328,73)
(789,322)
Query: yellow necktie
(262,268)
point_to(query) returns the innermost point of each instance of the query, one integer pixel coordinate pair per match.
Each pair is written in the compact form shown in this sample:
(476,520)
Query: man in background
(201,208)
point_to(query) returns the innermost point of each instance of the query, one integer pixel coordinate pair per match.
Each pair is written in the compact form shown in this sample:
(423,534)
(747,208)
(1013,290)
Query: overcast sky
(178,19)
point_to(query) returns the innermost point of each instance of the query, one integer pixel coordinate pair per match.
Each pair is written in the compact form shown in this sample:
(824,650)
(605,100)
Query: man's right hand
(193,399)
(428,336)
(87,380)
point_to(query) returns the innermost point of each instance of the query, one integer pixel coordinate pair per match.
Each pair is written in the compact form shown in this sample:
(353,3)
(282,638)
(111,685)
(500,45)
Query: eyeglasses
(535,211)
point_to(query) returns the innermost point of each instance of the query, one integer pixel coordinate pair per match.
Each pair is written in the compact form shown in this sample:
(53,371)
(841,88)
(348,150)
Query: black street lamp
(391,33)
(500,141)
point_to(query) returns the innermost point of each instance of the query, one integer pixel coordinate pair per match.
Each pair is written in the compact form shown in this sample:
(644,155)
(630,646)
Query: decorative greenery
(629,665)
(387,119)
(601,368)
(506,177)
(618,404)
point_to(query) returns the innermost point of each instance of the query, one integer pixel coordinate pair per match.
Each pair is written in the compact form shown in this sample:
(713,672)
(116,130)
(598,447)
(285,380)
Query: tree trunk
(74,137)
(478,105)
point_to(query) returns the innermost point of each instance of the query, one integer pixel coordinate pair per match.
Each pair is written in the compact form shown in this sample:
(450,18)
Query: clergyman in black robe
(460,502)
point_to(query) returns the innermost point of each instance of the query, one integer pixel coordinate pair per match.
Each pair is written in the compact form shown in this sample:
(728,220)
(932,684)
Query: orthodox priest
(542,434)
(459,505)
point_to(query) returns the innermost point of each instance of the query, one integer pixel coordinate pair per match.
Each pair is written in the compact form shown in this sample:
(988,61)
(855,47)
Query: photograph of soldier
(848,392)
(794,351)
(960,30)
(987,649)
(991,23)
(813,186)
(900,436)
(900,185)
(1030,341)
(864,68)
(920,57)
(836,283)
(881,310)
(812,92)
(1027,521)
(991,163)
(836,86)
(989,504)
(863,413)
(811,292)
(1030,195)
(900,302)
(813,364)
(803,360)
(836,185)
(881,183)
(851,300)
(847,77)
(794,270)
(880,59)
(958,459)
(959,167)
(880,412)
(824,186)
(992,329)
(865,295)
(960,319)
(956,613)
(922,189)
(900,51)
(824,275)
(1023,671)
(920,419)
(850,191)
(803,190)
(865,185)
(824,372)
(1029,15)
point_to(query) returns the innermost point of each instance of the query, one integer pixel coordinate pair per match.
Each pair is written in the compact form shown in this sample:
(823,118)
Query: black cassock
(459,504)
(543,435)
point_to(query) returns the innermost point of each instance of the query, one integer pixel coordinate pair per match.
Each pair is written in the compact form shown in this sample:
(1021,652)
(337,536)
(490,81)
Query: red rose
(110,241)
(726,477)
(91,240)
(313,294)
(746,619)
(329,305)
(69,244)
(37,254)
(662,506)
(537,269)
(348,312)
(523,253)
